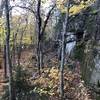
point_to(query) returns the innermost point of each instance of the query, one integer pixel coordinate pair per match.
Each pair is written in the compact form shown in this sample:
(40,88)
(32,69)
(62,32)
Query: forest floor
(47,83)
(3,83)
(1,74)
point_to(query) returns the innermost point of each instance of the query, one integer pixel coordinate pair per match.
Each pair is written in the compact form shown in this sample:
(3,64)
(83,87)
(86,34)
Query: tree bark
(39,48)
(9,65)
(5,62)
(65,24)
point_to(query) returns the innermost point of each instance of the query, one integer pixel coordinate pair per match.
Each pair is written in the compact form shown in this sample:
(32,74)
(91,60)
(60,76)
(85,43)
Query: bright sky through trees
(17,11)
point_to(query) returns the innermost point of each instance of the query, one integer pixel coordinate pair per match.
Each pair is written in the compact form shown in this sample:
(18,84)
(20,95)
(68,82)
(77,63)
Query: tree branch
(23,7)
(47,18)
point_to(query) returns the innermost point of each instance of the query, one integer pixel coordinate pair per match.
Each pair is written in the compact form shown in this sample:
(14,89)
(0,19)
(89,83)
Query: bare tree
(65,24)
(40,31)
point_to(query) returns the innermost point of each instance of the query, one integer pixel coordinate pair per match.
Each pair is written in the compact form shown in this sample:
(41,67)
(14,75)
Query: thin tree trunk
(39,49)
(5,62)
(65,24)
(14,49)
(40,56)
(9,65)
(20,49)
(62,68)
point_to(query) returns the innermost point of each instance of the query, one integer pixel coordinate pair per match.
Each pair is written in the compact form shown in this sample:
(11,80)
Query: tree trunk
(40,56)
(65,24)
(39,48)
(5,62)
(14,49)
(20,49)
(62,68)
(9,65)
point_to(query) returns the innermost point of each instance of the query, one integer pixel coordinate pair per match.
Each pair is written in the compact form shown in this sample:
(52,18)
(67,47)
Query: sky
(18,11)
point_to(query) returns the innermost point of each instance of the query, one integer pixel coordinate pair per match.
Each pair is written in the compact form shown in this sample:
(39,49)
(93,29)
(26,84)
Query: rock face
(95,69)
(91,62)
(95,75)
(70,46)
(97,20)
(89,54)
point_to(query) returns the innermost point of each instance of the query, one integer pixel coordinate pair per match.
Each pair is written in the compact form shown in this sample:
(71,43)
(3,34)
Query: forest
(49,49)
